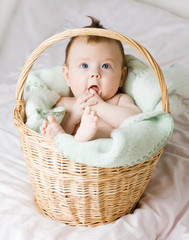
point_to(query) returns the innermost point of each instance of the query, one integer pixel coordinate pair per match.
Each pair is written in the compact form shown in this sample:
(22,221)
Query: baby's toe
(87,110)
(48,131)
(51,119)
(44,124)
(93,113)
(95,119)
(42,130)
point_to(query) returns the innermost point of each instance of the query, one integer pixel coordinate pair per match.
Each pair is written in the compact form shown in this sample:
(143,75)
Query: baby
(94,70)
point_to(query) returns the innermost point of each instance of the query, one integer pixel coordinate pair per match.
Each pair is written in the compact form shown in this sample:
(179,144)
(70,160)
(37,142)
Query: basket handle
(85,32)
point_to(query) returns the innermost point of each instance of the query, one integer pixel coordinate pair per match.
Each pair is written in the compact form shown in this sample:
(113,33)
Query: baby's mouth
(95,88)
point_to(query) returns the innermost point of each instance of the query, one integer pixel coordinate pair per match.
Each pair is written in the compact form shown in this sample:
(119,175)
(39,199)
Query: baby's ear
(66,75)
(123,76)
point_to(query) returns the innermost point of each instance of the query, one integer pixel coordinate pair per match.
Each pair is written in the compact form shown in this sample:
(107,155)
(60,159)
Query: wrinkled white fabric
(162,213)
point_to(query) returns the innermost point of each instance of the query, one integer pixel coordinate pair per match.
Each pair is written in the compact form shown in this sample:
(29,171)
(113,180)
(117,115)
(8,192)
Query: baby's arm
(114,114)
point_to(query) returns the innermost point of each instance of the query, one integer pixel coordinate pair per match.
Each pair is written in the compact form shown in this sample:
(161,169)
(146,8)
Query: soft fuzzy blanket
(138,137)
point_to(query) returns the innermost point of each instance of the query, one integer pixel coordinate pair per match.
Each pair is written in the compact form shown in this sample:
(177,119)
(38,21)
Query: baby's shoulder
(121,99)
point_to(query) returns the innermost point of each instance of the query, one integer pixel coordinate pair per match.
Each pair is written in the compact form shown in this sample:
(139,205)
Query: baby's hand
(80,105)
(86,100)
(95,98)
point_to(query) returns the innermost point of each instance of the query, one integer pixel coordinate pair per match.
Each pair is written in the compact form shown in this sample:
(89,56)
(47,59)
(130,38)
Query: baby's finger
(92,91)
(84,98)
(91,102)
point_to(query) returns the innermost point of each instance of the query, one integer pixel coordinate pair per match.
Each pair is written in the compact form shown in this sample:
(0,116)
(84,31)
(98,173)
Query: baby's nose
(97,76)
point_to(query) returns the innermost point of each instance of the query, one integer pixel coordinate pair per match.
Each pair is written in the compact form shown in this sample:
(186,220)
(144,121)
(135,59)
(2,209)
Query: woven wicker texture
(71,192)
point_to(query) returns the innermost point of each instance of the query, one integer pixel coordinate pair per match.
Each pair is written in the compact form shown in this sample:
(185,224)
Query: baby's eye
(84,65)
(106,66)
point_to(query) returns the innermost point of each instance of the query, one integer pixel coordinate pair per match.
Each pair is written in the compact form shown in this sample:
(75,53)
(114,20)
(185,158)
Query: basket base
(74,224)
(93,203)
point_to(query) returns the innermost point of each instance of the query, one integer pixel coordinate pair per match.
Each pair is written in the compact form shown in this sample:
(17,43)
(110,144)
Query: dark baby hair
(94,39)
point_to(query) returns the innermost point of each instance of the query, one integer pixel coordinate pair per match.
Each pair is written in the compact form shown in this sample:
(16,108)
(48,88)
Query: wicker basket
(71,192)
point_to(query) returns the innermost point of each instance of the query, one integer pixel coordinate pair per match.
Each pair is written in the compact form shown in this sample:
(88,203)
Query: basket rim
(19,101)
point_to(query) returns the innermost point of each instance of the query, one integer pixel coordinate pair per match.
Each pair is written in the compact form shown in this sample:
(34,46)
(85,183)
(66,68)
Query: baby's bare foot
(88,126)
(51,128)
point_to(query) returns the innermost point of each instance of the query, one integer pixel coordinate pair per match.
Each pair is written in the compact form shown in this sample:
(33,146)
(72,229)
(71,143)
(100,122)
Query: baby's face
(94,65)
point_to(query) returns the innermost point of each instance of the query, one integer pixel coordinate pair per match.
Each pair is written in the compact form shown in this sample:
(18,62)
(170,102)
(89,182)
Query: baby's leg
(88,126)
(51,128)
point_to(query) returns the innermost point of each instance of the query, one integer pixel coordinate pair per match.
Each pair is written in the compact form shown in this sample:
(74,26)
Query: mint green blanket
(138,137)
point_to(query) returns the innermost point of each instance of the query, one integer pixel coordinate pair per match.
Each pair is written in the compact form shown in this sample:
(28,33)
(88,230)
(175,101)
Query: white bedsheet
(163,211)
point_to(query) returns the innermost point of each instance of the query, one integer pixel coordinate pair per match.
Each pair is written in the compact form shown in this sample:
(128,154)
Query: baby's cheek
(77,90)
